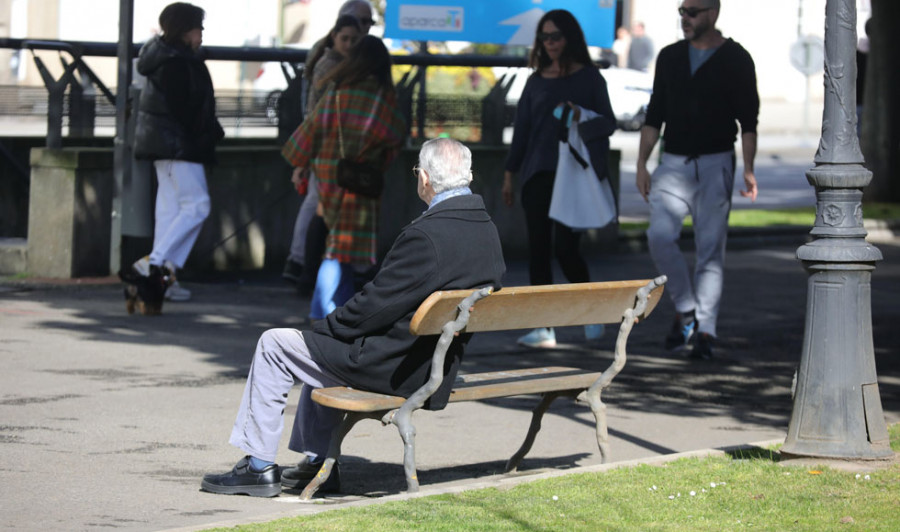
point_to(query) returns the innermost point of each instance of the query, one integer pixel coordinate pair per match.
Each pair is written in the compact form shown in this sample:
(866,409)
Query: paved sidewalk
(110,420)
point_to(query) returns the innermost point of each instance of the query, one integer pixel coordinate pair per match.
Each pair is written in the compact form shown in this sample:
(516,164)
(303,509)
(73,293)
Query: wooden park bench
(450,312)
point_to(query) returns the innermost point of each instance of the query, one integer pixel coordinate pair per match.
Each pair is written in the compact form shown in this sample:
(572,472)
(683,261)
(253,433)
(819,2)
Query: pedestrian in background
(702,86)
(621,45)
(564,75)
(640,51)
(310,232)
(178,130)
(358,118)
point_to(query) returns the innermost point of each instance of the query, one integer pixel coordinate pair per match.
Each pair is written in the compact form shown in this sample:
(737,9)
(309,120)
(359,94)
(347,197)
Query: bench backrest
(527,307)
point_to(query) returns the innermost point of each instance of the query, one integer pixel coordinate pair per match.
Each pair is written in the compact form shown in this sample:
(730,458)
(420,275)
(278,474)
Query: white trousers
(182,203)
(701,187)
(281,359)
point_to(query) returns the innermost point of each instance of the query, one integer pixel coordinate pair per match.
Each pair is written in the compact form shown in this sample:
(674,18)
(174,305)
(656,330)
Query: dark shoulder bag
(359,178)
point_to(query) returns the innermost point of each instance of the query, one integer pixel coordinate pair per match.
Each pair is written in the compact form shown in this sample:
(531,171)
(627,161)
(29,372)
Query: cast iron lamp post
(837,408)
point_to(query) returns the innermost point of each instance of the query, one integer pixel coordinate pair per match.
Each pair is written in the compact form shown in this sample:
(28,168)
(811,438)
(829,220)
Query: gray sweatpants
(281,359)
(701,187)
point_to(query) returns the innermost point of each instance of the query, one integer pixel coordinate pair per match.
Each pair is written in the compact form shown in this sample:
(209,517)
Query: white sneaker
(541,337)
(170,267)
(594,332)
(176,292)
(142,266)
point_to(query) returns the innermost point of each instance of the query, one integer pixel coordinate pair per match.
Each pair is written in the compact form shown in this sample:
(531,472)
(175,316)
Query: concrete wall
(253,210)
(69,212)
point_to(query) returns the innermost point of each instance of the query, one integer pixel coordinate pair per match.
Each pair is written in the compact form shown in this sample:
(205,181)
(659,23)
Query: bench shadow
(361,477)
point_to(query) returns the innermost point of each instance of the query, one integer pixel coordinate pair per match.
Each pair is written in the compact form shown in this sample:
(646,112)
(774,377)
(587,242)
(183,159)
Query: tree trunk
(881,111)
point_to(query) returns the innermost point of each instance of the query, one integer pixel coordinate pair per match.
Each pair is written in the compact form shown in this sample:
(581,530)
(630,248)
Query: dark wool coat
(177,111)
(367,342)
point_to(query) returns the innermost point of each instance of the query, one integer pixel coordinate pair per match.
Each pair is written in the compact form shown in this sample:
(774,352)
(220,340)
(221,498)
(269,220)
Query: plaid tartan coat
(373,130)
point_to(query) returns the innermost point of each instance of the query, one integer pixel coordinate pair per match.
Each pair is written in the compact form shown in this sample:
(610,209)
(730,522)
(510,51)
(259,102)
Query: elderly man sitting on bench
(366,344)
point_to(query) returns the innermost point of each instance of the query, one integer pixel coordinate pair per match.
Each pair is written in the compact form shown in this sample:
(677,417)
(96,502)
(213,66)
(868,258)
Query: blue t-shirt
(698,57)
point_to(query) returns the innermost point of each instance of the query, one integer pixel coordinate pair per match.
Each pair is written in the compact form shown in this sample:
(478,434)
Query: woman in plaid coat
(361,96)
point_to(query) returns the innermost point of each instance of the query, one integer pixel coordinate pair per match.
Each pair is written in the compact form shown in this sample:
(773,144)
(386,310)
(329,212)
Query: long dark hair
(368,57)
(179,18)
(343,21)
(575,51)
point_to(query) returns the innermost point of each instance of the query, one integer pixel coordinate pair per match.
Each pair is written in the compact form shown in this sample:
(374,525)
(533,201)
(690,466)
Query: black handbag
(359,178)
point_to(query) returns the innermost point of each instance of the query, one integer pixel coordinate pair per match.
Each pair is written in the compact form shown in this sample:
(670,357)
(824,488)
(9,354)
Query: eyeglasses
(416,169)
(367,21)
(552,36)
(692,12)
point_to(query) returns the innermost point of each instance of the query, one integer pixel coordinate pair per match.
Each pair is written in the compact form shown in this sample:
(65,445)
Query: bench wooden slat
(527,307)
(470,387)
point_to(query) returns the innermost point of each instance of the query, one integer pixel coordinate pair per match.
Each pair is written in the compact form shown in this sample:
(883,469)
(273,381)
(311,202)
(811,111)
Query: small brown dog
(145,293)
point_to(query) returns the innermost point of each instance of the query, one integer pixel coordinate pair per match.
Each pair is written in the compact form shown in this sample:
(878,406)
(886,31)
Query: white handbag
(580,200)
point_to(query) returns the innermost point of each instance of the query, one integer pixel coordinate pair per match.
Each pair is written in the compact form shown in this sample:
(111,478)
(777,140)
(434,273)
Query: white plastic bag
(580,200)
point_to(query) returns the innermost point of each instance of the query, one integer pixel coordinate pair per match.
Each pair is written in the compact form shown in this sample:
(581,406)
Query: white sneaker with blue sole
(540,337)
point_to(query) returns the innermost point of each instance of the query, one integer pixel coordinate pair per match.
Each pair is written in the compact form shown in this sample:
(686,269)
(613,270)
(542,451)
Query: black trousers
(316,239)
(548,238)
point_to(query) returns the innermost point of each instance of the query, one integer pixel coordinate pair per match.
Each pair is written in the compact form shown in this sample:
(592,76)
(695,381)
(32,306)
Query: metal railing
(73,100)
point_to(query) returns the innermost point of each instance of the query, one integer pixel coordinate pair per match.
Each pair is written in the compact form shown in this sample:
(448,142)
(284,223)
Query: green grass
(749,490)
(795,216)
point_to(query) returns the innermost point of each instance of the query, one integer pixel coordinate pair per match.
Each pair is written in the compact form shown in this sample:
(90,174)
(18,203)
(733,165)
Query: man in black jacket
(702,86)
(366,343)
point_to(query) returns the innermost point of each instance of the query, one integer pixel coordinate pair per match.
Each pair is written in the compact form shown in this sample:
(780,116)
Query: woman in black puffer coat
(177,129)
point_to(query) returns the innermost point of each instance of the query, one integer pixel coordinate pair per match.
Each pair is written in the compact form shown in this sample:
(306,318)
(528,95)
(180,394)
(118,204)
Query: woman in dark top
(563,75)
(177,129)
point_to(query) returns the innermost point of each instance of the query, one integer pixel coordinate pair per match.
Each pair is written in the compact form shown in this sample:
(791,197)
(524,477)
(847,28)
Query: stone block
(70,205)
(13,256)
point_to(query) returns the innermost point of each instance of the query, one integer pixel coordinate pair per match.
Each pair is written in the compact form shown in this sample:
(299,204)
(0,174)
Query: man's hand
(750,183)
(642,180)
(509,194)
(649,136)
(748,151)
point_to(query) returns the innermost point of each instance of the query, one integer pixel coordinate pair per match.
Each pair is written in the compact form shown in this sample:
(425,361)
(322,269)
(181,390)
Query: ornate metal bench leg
(334,451)
(402,418)
(592,398)
(536,415)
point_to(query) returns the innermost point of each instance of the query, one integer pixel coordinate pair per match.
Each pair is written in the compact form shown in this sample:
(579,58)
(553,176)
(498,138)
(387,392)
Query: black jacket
(177,112)
(700,111)
(367,342)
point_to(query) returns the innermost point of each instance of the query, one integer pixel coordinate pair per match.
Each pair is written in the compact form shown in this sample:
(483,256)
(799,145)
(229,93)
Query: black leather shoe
(293,271)
(703,347)
(243,481)
(298,477)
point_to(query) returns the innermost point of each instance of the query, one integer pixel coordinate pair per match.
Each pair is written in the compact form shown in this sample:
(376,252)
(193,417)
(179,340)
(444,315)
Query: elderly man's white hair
(353,7)
(448,163)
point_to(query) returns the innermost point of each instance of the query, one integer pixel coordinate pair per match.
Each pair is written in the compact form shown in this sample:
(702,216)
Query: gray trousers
(281,359)
(304,217)
(701,187)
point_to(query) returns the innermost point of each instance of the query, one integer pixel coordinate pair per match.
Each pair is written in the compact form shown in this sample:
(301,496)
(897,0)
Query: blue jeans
(334,287)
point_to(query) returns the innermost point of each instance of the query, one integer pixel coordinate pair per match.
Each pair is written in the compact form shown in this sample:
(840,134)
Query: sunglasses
(692,12)
(552,36)
(367,21)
